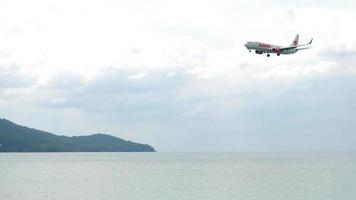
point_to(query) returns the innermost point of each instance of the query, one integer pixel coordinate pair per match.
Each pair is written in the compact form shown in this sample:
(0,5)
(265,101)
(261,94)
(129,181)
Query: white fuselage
(261,47)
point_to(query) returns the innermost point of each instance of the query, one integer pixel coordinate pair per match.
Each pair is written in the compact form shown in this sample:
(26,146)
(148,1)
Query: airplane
(261,47)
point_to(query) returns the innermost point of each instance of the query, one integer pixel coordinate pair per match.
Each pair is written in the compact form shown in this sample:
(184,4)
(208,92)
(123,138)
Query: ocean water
(183,176)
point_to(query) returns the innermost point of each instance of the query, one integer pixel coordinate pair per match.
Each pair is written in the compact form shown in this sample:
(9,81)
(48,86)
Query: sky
(175,74)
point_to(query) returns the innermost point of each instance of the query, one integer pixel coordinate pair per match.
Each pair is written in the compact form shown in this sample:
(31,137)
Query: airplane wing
(303,48)
(295,46)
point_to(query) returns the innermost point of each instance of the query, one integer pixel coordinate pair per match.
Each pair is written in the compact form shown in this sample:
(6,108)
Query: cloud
(259,115)
(117,90)
(13,81)
(344,54)
(185,79)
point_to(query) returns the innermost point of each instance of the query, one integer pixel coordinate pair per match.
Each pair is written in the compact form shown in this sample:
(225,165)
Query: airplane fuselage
(261,47)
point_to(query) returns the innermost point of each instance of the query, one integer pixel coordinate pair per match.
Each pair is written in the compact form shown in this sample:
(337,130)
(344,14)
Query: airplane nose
(246,45)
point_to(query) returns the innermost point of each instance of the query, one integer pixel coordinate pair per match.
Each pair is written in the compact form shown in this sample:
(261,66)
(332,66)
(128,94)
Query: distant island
(16,138)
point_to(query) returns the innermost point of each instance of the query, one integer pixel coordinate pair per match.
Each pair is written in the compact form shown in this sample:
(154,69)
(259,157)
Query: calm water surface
(158,176)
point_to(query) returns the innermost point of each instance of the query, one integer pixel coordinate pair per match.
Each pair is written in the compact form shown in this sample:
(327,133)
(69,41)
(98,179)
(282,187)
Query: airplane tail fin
(295,41)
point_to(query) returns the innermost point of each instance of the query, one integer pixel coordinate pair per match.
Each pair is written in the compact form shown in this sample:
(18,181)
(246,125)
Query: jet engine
(259,52)
(277,50)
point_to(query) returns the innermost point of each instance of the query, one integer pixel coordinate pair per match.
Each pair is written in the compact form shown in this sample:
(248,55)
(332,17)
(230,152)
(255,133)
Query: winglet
(311,41)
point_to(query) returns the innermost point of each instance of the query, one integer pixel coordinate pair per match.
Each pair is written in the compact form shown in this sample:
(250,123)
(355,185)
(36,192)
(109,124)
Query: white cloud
(137,76)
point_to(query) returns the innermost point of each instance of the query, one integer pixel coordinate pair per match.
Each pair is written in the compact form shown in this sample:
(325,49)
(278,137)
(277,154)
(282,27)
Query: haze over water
(159,176)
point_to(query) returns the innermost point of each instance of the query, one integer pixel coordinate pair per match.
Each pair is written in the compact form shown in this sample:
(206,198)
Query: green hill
(16,138)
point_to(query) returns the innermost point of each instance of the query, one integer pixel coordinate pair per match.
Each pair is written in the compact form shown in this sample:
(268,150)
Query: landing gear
(249,50)
(268,55)
(278,54)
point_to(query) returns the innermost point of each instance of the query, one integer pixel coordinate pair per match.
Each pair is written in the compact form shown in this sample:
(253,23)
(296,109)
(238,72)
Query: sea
(177,176)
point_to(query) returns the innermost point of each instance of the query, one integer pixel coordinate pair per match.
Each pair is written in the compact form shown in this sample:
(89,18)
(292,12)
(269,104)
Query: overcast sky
(175,73)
